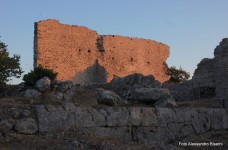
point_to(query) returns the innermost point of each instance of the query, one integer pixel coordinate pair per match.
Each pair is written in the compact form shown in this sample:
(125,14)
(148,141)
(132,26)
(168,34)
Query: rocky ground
(19,114)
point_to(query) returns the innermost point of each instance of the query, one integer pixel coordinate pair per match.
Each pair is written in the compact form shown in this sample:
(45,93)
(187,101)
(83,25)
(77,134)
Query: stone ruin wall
(214,72)
(82,55)
(210,79)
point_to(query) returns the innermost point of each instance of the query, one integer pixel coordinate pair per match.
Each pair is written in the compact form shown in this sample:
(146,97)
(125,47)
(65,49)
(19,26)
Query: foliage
(177,75)
(38,73)
(9,66)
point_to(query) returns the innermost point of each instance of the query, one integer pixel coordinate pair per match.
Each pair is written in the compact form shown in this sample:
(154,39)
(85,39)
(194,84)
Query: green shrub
(9,66)
(177,75)
(38,73)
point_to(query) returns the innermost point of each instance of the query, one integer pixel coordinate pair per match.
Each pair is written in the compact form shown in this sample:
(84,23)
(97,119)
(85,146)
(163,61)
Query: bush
(9,66)
(177,75)
(38,73)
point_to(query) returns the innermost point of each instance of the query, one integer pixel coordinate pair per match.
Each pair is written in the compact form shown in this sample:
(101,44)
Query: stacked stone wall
(142,124)
(82,55)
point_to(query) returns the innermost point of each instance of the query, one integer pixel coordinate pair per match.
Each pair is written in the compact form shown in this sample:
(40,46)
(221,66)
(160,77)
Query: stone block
(54,118)
(26,126)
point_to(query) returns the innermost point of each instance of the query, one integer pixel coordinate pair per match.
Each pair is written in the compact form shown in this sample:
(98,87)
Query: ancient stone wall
(210,79)
(133,123)
(82,55)
(127,124)
(213,72)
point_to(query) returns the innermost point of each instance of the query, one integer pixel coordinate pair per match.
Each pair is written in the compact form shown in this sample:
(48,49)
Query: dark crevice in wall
(100,44)
(35,47)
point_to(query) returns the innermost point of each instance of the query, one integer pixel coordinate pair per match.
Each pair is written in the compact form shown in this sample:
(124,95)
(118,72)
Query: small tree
(177,75)
(9,66)
(38,73)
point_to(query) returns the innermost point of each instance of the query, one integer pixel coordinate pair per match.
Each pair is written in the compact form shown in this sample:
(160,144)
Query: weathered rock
(142,124)
(51,118)
(120,133)
(201,123)
(225,103)
(30,93)
(218,119)
(213,73)
(118,116)
(181,91)
(6,125)
(43,84)
(122,85)
(2,138)
(165,101)
(57,94)
(26,126)
(25,114)
(109,98)
(89,117)
(62,86)
(149,95)
(143,116)
(68,117)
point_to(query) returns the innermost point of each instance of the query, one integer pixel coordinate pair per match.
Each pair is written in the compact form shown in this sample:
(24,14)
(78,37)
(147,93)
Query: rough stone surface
(62,86)
(68,123)
(57,94)
(30,93)
(89,57)
(6,125)
(55,118)
(43,84)
(213,72)
(166,101)
(210,79)
(109,98)
(26,126)
(201,123)
(156,123)
(149,95)
(123,85)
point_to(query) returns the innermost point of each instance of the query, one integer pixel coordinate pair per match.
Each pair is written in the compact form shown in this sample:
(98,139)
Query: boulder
(43,84)
(26,126)
(30,93)
(109,98)
(165,101)
(62,86)
(121,85)
(149,95)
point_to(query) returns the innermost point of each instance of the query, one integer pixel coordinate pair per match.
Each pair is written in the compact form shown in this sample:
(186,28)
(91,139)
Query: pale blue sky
(192,28)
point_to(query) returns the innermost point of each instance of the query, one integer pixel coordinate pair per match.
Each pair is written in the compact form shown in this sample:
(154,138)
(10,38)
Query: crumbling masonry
(82,55)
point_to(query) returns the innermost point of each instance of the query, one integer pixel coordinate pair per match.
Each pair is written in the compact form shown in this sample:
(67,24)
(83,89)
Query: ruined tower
(82,55)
